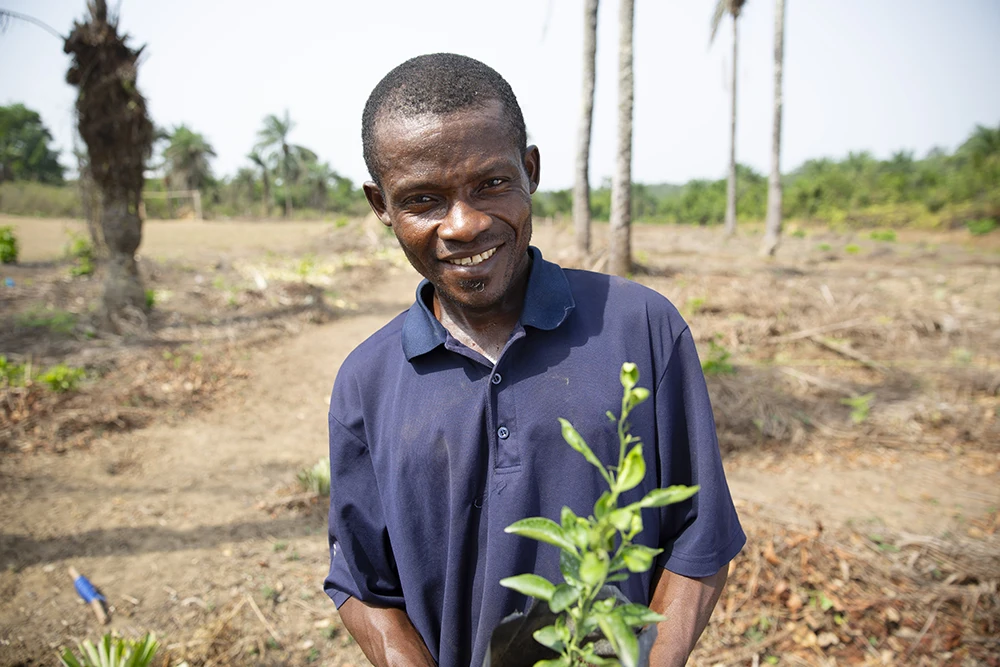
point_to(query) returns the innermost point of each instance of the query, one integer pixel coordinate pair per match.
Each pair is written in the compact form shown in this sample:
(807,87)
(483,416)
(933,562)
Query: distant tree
(581,188)
(620,253)
(186,158)
(242,189)
(291,159)
(772,227)
(260,162)
(733,8)
(25,154)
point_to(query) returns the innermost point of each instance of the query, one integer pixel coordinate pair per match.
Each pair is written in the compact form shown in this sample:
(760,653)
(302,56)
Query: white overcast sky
(878,75)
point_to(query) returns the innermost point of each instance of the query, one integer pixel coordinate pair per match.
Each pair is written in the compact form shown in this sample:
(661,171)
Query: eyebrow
(503,166)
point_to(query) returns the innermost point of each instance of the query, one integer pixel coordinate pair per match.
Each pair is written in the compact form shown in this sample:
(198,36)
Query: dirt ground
(855,384)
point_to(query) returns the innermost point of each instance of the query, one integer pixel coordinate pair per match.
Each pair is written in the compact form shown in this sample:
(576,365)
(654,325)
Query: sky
(875,75)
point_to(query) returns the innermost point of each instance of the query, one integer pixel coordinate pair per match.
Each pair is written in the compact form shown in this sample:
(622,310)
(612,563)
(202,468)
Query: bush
(11,373)
(8,246)
(887,235)
(317,478)
(980,227)
(113,652)
(63,378)
(81,251)
(39,200)
(852,249)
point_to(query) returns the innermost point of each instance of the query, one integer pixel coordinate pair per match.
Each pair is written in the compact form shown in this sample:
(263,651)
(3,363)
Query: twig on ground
(848,352)
(270,628)
(826,328)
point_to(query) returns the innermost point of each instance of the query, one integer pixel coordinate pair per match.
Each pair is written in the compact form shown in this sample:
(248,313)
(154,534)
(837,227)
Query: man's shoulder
(616,295)
(382,348)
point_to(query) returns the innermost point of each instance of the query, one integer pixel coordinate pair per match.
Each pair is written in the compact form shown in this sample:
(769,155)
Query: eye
(418,200)
(493,182)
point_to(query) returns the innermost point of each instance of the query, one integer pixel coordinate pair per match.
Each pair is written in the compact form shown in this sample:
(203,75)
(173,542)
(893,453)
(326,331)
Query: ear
(377,201)
(533,167)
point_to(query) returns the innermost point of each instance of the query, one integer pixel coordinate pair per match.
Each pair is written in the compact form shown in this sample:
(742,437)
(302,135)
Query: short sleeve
(361,561)
(702,534)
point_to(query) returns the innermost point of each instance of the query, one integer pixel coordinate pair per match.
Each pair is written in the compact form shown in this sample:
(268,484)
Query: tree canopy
(186,156)
(25,153)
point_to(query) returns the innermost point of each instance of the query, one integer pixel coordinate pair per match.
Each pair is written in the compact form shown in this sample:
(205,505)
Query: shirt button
(497,379)
(502,432)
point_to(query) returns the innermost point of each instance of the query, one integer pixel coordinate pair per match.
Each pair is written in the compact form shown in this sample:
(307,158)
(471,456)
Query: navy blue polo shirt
(434,451)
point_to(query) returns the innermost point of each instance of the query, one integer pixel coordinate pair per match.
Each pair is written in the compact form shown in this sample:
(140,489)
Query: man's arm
(687,604)
(385,634)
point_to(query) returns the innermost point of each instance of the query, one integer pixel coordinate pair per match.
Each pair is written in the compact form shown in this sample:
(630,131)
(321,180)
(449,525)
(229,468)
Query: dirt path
(167,520)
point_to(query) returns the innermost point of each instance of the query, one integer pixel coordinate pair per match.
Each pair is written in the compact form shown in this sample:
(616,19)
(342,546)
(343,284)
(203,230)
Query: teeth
(475,259)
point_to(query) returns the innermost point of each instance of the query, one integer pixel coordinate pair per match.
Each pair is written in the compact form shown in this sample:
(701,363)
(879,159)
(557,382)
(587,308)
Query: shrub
(717,360)
(11,373)
(81,251)
(8,246)
(852,249)
(860,406)
(887,235)
(317,478)
(113,652)
(976,227)
(63,378)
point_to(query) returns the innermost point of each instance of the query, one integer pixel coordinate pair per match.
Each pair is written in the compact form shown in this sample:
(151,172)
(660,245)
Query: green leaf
(567,518)
(589,657)
(611,416)
(629,375)
(621,637)
(549,637)
(621,518)
(639,558)
(576,441)
(569,565)
(68,659)
(543,530)
(633,470)
(620,576)
(593,569)
(563,597)
(530,584)
(637,615)
(603,505)
(636,527)
(561,661)
(668,496)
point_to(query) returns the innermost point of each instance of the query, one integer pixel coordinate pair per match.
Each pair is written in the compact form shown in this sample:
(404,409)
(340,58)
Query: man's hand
(385,634)
(687,604)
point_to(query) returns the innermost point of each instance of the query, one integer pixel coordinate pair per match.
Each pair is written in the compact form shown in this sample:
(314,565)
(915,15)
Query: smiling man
(443,424)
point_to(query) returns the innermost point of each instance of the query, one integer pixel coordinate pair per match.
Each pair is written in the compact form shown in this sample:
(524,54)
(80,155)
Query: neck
(486,330)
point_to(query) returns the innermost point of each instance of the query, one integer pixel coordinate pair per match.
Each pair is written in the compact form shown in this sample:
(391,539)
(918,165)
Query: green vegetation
(860,406)
(60,322)
(852,249)
(717,360)
(317,478)
(590,557)
(25,154)
(10,373)
(983,226)
(62,378)
(81,251)
(150,298)
(8,246)
(887,235)
(113,652)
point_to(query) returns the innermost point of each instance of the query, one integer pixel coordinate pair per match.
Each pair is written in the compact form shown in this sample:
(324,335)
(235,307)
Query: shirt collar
(547,303)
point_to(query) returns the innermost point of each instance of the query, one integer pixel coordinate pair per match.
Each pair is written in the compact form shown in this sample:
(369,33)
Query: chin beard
(473,285)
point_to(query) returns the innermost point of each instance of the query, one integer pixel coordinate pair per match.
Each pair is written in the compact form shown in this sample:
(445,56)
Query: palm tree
(186,158)
(273,140)
(260,162)
(620,255)
(581,189)
(115,126)
(772,228)
(733,8)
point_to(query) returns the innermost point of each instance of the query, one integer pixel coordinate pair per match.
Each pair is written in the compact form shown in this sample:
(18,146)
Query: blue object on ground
(87,590)
(9,282)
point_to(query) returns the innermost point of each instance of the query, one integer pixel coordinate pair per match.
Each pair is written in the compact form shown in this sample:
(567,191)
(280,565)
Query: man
(443,424)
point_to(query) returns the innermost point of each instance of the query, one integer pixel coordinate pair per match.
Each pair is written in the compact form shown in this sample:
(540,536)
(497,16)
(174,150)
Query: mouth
(474,260)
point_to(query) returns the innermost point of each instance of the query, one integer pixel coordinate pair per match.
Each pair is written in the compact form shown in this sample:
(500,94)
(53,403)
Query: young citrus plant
(597,550)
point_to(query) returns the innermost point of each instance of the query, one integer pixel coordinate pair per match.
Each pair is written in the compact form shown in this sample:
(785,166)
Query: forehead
(413,143)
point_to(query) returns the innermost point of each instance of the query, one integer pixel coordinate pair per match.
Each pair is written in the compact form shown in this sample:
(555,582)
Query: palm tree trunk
(772,232)
(621,185)
(124,294)
(581,189)
(288,186)
(731,185)
(267,194)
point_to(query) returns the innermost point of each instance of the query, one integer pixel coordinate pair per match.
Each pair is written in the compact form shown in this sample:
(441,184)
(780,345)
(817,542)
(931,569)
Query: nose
(464,222)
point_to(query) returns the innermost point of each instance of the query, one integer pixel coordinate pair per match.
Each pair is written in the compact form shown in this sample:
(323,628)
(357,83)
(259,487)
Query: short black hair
(437,83)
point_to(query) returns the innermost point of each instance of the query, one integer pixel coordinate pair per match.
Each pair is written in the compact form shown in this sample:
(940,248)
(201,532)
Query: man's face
(457,194)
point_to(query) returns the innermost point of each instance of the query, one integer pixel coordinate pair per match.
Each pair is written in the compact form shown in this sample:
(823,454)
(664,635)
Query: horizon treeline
(940,189)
